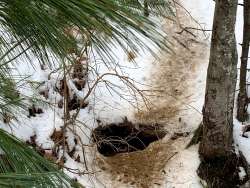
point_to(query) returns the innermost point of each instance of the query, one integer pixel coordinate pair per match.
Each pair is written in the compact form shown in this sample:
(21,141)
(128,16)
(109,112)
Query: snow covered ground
(103,105)
(110,101)
(108,106)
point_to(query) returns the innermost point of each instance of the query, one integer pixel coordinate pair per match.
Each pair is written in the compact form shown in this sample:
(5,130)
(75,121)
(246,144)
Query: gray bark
(220,85)
(242,97)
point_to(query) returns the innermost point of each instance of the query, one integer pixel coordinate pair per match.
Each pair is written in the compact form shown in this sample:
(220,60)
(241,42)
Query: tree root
(196,137)
(222,172)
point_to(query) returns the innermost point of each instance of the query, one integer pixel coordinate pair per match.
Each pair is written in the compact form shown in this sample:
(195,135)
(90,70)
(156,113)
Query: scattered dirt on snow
(178,81)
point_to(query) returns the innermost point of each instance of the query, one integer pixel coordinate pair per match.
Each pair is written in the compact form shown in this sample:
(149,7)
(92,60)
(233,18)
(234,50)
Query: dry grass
(135,169)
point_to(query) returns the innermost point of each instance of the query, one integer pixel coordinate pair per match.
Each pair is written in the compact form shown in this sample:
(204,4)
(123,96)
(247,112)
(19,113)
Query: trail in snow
(179,81)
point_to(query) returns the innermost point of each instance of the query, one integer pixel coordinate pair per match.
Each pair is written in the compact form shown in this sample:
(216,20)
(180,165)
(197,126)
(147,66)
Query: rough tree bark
(242,97)
(220,85)
(217,139)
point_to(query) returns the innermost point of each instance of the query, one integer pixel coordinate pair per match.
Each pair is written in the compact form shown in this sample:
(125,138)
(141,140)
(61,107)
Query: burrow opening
(125,137)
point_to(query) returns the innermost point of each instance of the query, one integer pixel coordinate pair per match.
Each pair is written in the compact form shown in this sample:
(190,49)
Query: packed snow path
(178,81)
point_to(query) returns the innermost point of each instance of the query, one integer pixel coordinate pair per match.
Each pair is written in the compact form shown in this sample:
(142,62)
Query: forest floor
(179,80)
(177,83)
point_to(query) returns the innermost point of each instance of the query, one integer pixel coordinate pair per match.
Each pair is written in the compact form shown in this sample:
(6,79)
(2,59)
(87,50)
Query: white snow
(201,11)
(104,104)
(181,170)
(112,107)
(242,173)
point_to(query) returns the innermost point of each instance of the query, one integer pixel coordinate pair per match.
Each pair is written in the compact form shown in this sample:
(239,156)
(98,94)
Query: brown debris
(33,111)
(79,70)
(131,56)
(45,93)
(57,137)
(78,158)
(177,135)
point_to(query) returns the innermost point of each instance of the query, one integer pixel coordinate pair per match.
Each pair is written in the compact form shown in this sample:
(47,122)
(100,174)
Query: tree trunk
(242,97)
(220,85)
(218,163)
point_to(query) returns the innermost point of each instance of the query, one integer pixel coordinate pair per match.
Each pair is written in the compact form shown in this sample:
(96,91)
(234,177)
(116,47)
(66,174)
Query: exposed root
(221,172)
(196,137)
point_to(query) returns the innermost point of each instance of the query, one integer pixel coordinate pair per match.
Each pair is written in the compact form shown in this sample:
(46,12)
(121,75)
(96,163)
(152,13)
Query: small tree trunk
(220,85)
(217,140)
(242,97)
